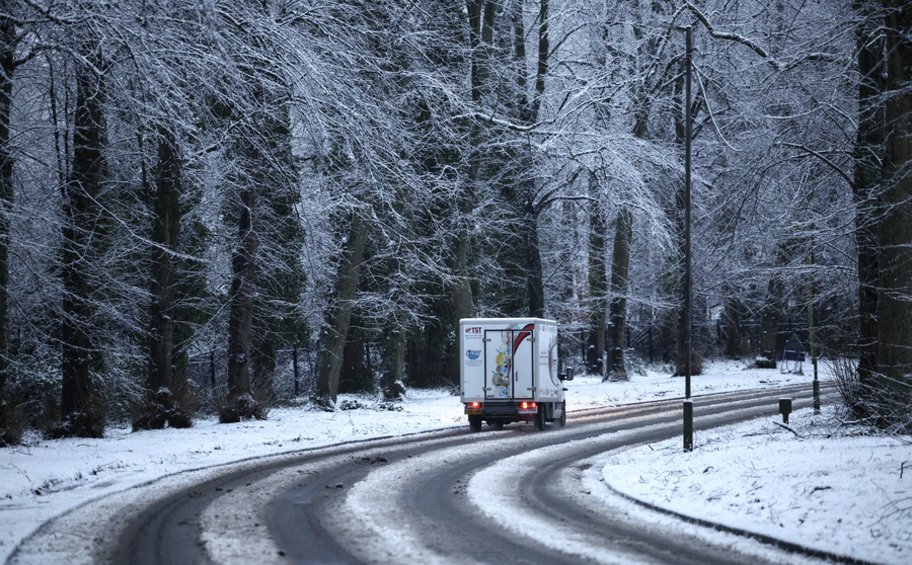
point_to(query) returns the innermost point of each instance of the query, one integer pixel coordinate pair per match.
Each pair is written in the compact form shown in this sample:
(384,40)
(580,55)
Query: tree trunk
(430,358)
(296,371)
(335,334)
(479,27)
(463,302)
(82,410)
(687,351)
(164,404)
(280,277)
(240,403)
(356,374)
(527,113)
(769,323)
(8,433)
(166,233)
(534,277)
(617,312)
(264,363)
(394,360)
(598,282)
(868,157)
(673,330)
(733,313)
(894,300)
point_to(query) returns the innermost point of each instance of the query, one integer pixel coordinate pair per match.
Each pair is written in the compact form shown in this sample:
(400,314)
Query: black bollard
(816,396)
(785,408)
(688,425)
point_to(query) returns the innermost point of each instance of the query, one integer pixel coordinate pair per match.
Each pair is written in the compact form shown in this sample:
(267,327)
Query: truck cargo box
(509,371)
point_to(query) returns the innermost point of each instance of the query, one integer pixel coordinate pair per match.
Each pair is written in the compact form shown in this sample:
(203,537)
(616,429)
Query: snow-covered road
(500,496)
(117,477)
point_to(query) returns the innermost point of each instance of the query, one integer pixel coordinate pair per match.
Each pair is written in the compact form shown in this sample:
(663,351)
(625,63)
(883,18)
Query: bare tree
(83,412)
(598,282)
(884,196)
(339,314)
(8,63)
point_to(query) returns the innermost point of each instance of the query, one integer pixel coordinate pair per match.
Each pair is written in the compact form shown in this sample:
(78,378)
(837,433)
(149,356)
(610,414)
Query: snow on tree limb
(736,37)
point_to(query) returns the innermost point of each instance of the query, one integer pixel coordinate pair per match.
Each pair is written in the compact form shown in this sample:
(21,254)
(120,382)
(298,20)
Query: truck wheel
(540,418)
(475,423)
(563,417)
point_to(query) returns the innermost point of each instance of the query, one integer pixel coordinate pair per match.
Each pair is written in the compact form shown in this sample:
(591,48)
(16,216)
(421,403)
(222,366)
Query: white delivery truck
(509,372)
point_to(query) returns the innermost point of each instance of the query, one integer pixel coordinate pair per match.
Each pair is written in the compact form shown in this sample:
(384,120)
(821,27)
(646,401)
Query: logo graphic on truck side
(473,330)
(521,335)
(473,354)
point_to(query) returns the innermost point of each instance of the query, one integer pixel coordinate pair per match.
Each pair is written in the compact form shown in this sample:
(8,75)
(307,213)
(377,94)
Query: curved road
(511,496)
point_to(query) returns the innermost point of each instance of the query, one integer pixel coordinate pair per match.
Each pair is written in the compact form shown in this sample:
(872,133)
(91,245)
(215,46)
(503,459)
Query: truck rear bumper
(503,411)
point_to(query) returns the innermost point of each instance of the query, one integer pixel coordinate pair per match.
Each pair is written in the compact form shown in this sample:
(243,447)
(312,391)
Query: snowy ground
(844,493)
(827,488)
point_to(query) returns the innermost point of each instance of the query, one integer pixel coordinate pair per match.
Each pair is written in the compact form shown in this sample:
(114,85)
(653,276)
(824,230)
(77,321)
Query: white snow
(496,491)
(43,479)
(827,488)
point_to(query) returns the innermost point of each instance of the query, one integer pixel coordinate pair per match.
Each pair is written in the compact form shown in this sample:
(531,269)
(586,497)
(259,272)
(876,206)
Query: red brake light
(475,404)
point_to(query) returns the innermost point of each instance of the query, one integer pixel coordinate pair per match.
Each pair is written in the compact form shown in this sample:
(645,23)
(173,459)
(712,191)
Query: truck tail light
(527,406)
(473,408)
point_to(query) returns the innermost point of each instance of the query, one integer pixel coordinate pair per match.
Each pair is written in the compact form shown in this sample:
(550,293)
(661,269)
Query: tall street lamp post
(688,299)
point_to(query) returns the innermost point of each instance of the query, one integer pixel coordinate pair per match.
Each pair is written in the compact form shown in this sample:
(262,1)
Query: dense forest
(222,204)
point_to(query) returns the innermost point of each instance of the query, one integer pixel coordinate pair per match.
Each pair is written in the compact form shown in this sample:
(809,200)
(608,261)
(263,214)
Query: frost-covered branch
(736,37)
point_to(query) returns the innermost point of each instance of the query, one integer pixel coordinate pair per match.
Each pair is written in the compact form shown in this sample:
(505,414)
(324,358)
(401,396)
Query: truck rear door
(509,358)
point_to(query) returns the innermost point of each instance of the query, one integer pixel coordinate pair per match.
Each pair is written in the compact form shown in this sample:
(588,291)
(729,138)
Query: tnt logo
(473,330)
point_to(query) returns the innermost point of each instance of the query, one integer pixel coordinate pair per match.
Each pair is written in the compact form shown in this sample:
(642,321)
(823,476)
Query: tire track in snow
(420,497)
